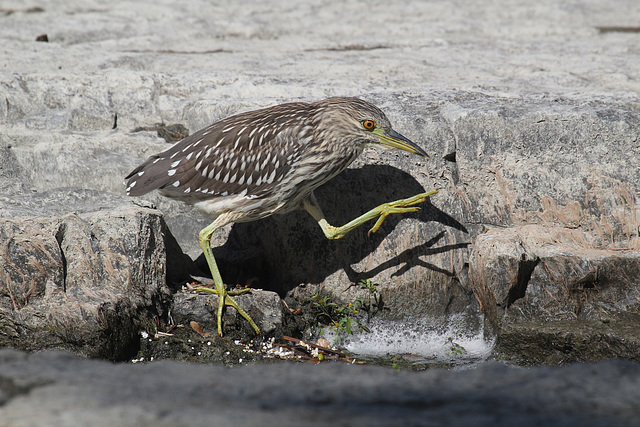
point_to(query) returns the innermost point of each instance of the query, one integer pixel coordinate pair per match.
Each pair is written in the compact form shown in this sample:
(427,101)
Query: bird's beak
(394,139)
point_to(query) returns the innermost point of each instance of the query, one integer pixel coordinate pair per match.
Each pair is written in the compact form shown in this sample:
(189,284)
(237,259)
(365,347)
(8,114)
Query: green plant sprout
(454,349)
(346,317)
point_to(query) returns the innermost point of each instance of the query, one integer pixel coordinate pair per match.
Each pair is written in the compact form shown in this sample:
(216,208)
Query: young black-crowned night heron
(252,165)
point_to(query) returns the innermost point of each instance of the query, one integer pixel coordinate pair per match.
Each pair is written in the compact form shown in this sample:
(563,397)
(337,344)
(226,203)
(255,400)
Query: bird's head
(353,119)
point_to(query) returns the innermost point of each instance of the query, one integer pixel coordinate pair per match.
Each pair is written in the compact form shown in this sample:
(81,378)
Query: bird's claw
(400,206)
(418,198)
(224,298)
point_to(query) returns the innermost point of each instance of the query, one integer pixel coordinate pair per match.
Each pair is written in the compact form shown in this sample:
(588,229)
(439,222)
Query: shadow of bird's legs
(224,296)
(381,212)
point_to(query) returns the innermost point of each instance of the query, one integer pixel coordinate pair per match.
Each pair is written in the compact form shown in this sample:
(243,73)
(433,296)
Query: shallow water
(417,344)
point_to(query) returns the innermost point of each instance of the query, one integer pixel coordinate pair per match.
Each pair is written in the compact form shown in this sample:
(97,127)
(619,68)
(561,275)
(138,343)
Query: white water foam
(449,340)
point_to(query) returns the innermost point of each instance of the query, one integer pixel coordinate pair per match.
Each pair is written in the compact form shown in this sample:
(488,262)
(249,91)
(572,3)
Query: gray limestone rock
(54,388)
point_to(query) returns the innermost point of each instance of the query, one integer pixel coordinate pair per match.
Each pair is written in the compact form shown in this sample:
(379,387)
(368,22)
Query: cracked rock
(83,283)
(552,297)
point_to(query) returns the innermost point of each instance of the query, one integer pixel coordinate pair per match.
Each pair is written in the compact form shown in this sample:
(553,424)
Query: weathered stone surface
(500,267)
(565,341)
(85,284)
(575,280)
(53,388)
(529,110)
(551,296)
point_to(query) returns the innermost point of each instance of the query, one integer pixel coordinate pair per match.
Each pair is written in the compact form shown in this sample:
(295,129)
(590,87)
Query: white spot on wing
(266,160)
(176,184)
(171,172)
(176,163)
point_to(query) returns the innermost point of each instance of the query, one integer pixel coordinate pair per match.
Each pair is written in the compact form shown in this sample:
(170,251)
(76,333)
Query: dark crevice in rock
(452,166)
(350,47)
(119,324)
(525,269)
(450,157)
(60,238)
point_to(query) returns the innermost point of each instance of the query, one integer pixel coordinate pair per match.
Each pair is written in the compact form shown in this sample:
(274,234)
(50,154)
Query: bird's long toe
(224,299)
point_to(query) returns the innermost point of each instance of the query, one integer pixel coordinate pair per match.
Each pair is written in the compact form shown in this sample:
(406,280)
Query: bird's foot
(399,206)
(224,298)
(381,212)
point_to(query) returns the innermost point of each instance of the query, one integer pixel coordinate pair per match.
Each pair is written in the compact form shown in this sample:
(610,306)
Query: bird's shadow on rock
(281,252)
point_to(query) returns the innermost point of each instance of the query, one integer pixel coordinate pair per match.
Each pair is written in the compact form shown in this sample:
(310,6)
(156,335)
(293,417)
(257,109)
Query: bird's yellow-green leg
(381,212)
(224,296)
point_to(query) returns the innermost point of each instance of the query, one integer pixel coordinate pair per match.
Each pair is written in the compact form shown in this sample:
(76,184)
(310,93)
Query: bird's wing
(247,156)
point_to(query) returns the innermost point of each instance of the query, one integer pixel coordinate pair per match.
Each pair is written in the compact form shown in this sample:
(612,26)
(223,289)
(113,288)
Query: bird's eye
(368,124)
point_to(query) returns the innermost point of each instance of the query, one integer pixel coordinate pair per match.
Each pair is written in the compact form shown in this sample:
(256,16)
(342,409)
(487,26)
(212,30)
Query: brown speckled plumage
(255,164)
(260,162)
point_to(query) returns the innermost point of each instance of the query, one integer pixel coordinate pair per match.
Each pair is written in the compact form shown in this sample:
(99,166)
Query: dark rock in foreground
(55,388)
